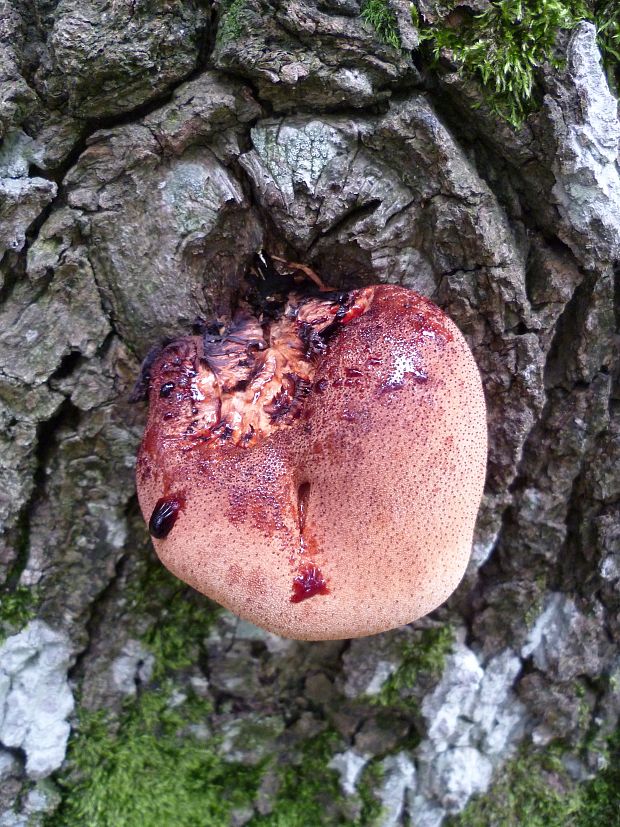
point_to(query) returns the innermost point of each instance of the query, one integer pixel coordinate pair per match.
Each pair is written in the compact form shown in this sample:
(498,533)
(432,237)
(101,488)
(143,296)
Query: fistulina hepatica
(318,472)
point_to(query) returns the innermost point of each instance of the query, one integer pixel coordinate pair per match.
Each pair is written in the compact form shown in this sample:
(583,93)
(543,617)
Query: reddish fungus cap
(320,474)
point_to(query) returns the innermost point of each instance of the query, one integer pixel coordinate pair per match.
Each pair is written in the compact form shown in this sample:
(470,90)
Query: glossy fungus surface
(319,474)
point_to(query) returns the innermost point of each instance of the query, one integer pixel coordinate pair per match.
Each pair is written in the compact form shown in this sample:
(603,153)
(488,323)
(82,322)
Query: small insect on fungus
(317,470)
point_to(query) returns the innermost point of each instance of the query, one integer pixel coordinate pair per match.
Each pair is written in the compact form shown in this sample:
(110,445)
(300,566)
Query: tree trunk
(149,150)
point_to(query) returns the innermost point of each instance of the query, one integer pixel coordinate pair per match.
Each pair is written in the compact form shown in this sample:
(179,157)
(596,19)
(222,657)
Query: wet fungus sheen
(317,472)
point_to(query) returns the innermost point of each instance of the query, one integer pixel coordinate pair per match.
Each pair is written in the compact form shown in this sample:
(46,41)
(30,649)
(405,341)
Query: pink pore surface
(367,480)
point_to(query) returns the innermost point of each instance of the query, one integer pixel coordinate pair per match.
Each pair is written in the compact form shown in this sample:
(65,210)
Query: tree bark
(148,151)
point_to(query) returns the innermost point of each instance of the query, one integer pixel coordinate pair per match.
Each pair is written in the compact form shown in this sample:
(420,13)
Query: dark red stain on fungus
(235,575)
(389,387)
(261,508)
(431,320)
(247,403)
(307,543)
(303,494)
(151,441)
(165,515)
(308,583)
(144,467)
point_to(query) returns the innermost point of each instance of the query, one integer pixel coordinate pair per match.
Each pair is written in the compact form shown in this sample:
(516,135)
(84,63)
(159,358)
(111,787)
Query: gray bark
(144,160)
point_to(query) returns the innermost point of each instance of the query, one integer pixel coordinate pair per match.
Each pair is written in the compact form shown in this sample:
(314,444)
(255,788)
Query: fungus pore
(319,474)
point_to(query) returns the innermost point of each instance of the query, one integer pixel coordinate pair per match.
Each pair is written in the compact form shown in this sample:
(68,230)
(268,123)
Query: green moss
(383,20)
(311,787)
(147,767)
(231,26)
(426,654)
(150,771)
(182,619)
(600,798)
(304,787)
(606,16)
(17,607)
(536,601)
(535,790)
(584,710)
(369,782)
(504,46)
(524,795)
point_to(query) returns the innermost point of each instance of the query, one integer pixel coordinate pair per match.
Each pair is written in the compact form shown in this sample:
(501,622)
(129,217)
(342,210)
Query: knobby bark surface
(148,151)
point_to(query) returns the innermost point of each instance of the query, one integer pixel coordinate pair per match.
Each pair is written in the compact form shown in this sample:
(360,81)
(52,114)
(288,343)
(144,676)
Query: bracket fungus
(317,471)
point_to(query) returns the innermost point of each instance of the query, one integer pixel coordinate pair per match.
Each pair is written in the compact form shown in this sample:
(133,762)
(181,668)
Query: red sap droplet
(307,583)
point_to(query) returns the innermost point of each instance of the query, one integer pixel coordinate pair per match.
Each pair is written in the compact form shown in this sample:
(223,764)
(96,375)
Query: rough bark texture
(149,149)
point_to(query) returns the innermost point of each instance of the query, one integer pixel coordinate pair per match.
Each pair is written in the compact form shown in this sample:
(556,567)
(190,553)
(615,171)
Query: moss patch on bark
(381,17)
(17,607)
(424,656)
(535,789)
(504,47)
(150,770)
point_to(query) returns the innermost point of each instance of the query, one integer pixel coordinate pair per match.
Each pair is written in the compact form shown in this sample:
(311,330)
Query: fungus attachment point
(331,457)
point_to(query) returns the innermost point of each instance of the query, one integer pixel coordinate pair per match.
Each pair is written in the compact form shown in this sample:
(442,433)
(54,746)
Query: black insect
(164,516)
